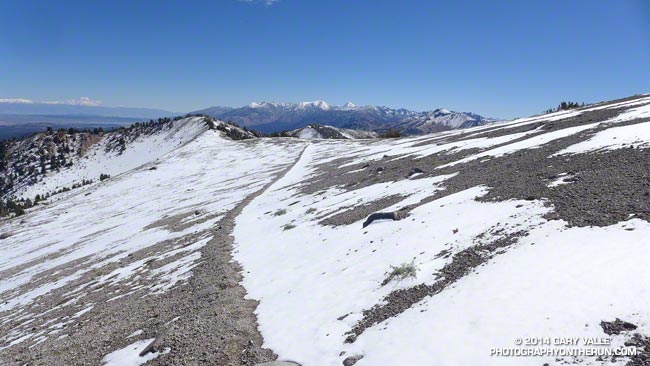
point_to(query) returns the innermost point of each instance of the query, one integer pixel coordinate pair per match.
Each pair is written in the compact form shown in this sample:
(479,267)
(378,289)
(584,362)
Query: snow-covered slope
(495,245)
(493,264)
(105,158)
(441,120)
(50,161)
(129,239)
(316,131)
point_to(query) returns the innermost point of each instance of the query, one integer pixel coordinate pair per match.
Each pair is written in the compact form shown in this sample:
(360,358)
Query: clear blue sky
(496,58)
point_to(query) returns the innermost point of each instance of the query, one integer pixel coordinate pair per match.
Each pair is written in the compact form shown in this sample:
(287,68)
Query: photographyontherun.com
(563,347)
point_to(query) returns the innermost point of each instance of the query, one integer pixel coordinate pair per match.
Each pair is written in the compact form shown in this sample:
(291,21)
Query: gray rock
(414,171)
(617,326)
(352,360)
(154,346)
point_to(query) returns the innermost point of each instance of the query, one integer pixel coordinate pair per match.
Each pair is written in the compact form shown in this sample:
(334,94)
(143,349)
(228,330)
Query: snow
(530,143)
(414,147)
(346,263)
(82,231)
(560,180)
(130,355)
(267,104)
(535,290)
(135,334)
(308,133)
(98,161)
(637,135)
(314,281)
(566,267)
(315,104)
(563,115)
(642,111)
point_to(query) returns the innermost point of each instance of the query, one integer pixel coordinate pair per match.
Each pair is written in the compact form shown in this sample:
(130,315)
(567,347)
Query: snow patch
(130,355)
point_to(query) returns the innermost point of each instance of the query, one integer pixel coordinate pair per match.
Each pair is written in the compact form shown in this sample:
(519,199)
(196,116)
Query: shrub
(400,272)
(310,210)
(390,133)
(288,227)
(280,212)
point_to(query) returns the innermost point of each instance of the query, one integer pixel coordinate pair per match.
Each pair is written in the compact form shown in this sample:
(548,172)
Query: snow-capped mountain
(491,245)
(316,131)
(440,120)
(273,117)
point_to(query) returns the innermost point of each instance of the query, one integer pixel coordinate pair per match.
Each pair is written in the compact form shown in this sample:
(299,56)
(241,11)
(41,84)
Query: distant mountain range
(271,116)
(28,107)
(21,117)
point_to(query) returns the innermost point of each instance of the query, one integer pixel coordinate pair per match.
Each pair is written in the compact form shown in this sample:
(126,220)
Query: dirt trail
(218,326)
(203,321)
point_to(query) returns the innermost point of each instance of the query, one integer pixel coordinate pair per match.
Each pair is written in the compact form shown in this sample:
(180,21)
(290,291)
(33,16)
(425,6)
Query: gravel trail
(203,321)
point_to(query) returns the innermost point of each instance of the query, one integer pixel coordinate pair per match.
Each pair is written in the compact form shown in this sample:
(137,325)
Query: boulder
(352,360)
(379,216)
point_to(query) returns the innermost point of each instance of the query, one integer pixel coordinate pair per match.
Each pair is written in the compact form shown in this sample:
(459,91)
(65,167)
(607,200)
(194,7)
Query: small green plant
(280,212)
(99,272)
(400,272)
(311,210)
(288,227)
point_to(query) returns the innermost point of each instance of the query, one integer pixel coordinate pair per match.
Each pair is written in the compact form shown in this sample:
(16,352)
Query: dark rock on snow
(379,216)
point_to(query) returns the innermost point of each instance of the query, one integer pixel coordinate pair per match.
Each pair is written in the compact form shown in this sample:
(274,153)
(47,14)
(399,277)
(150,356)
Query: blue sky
(496,58)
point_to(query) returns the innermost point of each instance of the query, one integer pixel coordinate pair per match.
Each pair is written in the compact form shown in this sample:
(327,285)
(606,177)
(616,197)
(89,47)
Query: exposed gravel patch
(606,187)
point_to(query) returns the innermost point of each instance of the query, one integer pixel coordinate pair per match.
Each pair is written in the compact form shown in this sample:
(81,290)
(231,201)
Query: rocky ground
(208,319)
(205,320)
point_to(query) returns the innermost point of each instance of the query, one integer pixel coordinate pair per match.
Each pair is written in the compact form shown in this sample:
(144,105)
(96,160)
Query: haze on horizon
(502,59)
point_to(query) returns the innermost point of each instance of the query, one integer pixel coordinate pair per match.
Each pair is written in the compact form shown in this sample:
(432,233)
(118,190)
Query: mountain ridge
(276,116)
(400,237)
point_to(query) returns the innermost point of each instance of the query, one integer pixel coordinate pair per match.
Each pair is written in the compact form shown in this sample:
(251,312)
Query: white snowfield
(308,277)
(314,281)
(84,231)
(614,138)
(100,161)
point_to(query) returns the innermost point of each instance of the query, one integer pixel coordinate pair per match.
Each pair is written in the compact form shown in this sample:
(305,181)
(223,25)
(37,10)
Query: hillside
(316,131)
(61,159)
(200,249)
(273,117)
